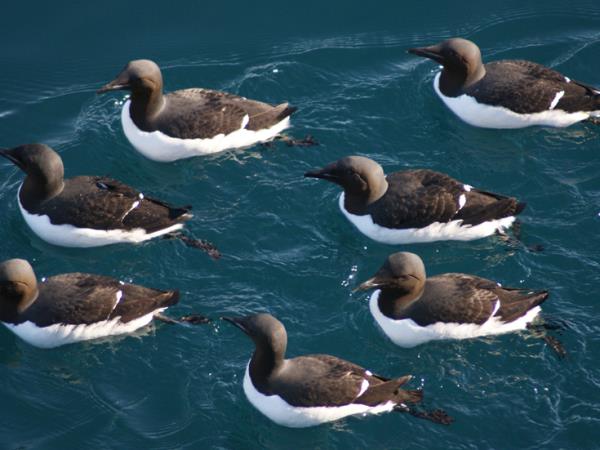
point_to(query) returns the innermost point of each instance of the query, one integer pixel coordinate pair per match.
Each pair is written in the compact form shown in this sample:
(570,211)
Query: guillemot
(415,205)
(412,309)
(507,93)
(90,211)
(191,122)
(75,307)
(314,389)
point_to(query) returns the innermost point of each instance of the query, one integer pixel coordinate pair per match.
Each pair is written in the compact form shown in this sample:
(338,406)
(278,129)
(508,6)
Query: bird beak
(121,82)
(432,52)
(371,283)
(324,174)
(237,321)
(9,154)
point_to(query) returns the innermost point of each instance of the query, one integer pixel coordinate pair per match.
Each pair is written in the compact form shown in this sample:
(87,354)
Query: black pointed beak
(119,83)
(237,321)
(432,52)
(9,154)
(371,283)
(323,174)
(383,279)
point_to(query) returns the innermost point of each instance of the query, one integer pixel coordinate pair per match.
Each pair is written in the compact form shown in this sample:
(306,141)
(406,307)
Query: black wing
(204,113)
(79,298)
(515,302)
(324,380)
(526,87)
(417,198)
(482,206)
(455,298)
(106,204)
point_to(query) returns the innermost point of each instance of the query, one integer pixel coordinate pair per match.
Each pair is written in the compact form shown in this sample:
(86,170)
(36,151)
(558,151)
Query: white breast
(282,413)
(70,236)
(486,116)
(406,332)
(59,334)
(160,147)
(437,231)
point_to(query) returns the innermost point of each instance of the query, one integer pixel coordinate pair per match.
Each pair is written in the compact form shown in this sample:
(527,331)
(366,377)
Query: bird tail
(517,304)
(410,396)
(171,298)
(520,207)
(286,111)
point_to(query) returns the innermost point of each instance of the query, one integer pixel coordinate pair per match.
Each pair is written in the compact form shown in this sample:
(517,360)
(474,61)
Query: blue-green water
(287,248)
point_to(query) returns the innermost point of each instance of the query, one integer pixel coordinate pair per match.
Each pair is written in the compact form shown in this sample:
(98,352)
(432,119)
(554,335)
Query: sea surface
(286,247)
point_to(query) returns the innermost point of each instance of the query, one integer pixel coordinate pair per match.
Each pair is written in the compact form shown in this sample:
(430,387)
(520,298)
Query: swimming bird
(507,93)
(415,205)
(76,307)
(314,389)
(412,309)
(190,122)
(89,211)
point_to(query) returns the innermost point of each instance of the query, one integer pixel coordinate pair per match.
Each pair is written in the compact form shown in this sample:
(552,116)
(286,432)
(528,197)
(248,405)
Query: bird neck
(394,303)
(145,106)
(358,202)
(454,81)
(36,190)
(13,304)
(265,361)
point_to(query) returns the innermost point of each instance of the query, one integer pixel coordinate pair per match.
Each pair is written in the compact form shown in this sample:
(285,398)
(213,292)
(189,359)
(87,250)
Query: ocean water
(287,248)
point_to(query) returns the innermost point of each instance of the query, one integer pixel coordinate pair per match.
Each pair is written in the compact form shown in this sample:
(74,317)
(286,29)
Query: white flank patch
(363,387)
(462,201)
(406,332)
(118,297)
(160,147)
(556,99)
(282,413)
(245,121)
(486,116)
(449,231)
(133,206)
(60,334)
(70,236)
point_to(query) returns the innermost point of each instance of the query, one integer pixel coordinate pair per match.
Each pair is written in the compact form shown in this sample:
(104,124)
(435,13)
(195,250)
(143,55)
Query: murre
(75,307)
(412,309)
(314,389)
(507,93)
(90,211)
(415,205)
(190,122)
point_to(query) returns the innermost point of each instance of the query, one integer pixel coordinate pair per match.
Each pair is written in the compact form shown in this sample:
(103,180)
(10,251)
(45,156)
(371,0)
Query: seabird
(415,205)
(76,307)
(507,93)
(190,122)
(412,309)
(314,389)
(89,211)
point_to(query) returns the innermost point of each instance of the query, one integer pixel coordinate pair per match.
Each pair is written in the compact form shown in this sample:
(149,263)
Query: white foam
(70,236)
(282,413)
(160,147)
(486,116)
(61,334)
(407,333)
(437,231)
